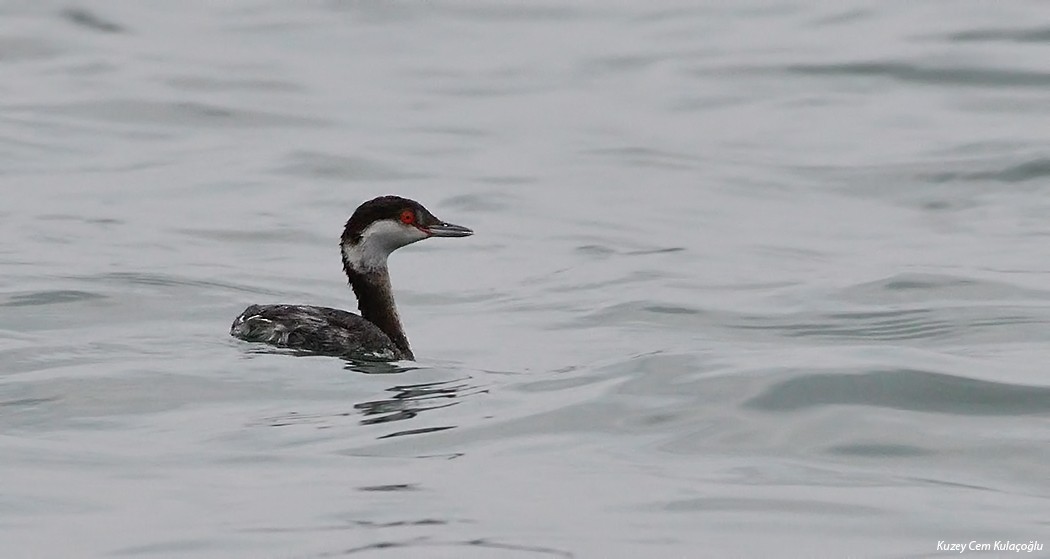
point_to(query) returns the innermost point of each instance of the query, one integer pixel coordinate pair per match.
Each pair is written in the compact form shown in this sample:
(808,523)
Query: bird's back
(315,329)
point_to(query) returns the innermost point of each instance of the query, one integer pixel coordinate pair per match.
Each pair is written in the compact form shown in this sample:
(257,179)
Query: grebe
(377,228)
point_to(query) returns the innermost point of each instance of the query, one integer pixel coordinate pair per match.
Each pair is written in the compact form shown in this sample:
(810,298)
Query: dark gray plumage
(377,228)
(316,329)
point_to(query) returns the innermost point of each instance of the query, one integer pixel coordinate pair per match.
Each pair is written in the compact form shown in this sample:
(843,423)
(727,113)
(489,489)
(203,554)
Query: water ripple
(50,298)
(177,113)
(91,21)
(787,506)
(1016,35)
(904,389)
(342,167)
(919,288)
(912,73)
(974,323)
(1034,169)
(486,546)
(699,227)
(409,400)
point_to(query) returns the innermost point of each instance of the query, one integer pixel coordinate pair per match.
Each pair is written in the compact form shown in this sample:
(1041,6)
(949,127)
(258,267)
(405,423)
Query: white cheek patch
(378,240)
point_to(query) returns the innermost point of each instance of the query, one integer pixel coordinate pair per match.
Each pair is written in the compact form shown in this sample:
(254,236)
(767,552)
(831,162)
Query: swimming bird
(377,228)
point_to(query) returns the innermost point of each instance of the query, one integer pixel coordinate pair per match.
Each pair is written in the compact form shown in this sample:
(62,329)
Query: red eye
(408,217)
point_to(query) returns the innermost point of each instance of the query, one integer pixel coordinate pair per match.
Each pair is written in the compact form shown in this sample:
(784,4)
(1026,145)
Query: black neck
(375,301)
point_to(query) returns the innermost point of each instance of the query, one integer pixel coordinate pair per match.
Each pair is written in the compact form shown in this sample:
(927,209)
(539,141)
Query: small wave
(342,167)
(945,323)
(878,450)
(1019,172)
(648,157)
(921,287)
(492,201)
(167,280)
(50,298)
(86,19)
(748,504)
(912,73)
(644,312)
(904,389)
(1030,35)
(174,114)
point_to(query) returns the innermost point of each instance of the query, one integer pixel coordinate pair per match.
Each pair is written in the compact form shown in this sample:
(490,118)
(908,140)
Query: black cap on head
(385,207)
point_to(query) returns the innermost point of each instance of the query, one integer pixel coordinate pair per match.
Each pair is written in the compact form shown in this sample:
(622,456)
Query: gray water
(750,279)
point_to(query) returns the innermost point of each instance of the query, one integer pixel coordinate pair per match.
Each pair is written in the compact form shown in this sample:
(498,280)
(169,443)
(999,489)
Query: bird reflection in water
(409,400)
(404,401)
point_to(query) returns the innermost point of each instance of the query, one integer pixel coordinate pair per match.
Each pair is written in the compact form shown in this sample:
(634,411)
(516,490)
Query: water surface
(761,279)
